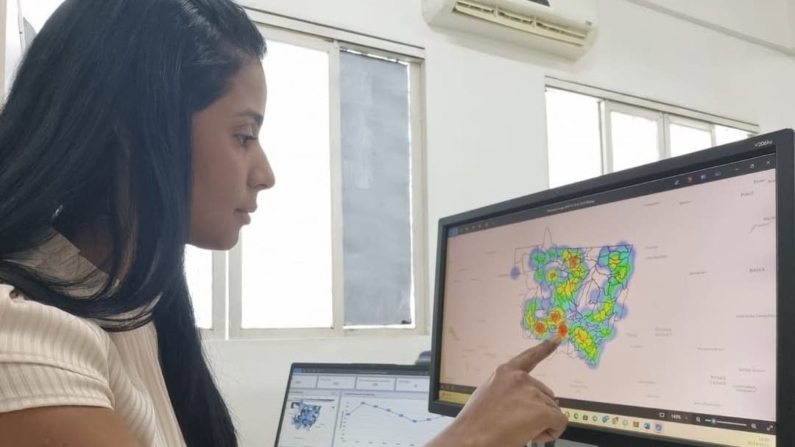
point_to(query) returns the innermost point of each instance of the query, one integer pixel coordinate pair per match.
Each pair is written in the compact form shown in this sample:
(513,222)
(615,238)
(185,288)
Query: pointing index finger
(528,360)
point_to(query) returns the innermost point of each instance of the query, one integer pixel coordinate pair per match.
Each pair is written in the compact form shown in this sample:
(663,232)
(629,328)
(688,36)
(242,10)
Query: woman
(130,131)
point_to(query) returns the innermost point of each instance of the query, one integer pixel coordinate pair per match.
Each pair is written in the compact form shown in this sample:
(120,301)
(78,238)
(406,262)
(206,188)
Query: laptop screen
(333,405)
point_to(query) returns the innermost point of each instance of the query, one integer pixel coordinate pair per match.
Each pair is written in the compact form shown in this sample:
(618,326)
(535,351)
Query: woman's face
(229,165)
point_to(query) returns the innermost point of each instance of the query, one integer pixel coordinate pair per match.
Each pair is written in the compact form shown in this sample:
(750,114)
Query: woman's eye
(245,139)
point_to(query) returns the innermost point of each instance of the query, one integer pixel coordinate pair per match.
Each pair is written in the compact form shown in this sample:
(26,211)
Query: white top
(51,358)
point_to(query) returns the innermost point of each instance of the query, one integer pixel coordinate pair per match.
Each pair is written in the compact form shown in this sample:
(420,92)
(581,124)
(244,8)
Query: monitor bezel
(375,367)
(780,143)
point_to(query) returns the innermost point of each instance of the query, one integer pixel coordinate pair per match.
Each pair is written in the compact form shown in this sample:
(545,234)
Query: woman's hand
(511,409)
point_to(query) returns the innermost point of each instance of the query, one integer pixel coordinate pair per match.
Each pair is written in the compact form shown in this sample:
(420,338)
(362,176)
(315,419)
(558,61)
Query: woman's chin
(218,242)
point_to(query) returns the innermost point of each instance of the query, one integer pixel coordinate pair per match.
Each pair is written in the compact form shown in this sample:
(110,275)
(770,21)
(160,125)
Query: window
(376,190)
(287,254)
(336,245)
(725,135)
(635,139)
(608,132)
(565,109)
(199,274)
(689,136)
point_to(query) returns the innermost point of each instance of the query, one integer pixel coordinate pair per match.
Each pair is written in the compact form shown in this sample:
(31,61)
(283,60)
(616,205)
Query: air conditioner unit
(565,28)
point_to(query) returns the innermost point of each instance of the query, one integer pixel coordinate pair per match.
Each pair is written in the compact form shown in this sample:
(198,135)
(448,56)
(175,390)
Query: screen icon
(662,415)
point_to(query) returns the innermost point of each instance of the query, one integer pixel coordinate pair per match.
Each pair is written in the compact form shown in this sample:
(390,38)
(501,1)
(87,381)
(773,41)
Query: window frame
(664,114)
(227,267)
(218,323)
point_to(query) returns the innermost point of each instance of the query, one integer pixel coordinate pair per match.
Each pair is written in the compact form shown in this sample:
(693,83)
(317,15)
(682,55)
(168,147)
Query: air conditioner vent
(520,22)
(561,27)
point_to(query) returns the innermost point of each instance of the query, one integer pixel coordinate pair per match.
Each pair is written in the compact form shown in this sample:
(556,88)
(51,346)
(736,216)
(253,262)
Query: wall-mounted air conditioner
(565,28)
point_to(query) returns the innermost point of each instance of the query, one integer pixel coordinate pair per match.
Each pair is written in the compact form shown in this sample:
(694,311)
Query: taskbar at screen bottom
(636,421)
(668,431)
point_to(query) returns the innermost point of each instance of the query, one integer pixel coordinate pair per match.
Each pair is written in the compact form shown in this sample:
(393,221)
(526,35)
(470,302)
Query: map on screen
(664,296)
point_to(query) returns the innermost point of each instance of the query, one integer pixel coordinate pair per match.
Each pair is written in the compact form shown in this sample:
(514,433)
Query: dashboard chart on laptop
(337,406)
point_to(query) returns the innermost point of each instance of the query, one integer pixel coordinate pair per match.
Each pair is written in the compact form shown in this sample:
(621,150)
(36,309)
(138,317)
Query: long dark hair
(97,128)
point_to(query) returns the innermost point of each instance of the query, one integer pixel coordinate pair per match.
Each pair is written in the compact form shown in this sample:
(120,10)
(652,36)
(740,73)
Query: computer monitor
(671,284)
(343,405)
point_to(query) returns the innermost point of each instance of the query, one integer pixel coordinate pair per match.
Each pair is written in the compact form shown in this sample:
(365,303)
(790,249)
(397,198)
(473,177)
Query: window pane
(199,273)
(686,139)
(635,140)
(376,187)
(726,135)
(287,249)
(573,133)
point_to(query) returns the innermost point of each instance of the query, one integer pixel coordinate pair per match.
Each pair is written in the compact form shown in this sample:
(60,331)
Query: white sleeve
(49,357)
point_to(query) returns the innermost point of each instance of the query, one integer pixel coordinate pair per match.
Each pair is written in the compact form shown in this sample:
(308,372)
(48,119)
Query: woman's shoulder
(25,315)
(49,357)
(31,330)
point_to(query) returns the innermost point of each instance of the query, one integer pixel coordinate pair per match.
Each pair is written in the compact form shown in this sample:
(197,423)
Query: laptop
(352,405)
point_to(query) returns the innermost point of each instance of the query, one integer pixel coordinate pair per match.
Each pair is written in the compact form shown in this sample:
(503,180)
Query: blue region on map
(305,415)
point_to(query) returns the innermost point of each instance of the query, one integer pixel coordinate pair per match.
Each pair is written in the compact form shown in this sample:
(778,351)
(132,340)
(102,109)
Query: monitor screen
(663,292)
(358,406)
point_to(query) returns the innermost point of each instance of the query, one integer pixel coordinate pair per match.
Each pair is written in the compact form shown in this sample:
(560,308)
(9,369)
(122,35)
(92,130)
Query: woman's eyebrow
(256,116)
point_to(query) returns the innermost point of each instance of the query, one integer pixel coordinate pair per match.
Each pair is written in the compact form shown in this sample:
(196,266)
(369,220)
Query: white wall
(3,29)
(486,135)
(12,50)
(791,21)
(765,20)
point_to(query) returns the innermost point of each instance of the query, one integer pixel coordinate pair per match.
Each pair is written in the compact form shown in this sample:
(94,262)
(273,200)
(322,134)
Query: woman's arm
(64,427)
